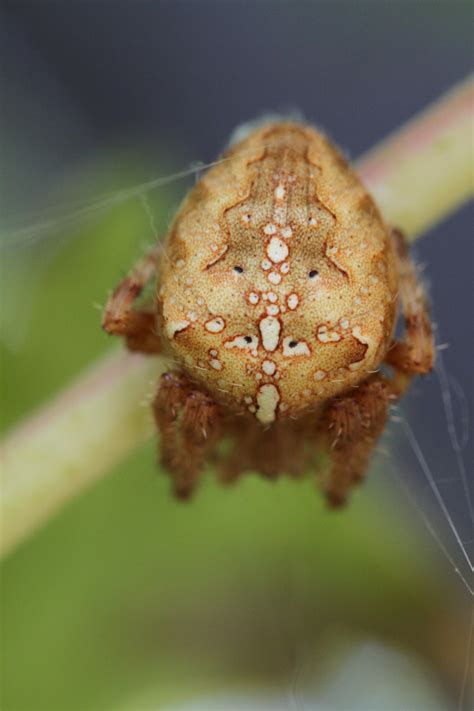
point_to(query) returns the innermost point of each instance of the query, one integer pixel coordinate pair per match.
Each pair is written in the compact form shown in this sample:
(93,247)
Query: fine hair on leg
(350,428)
(415,353)
(188,423)
(137,326)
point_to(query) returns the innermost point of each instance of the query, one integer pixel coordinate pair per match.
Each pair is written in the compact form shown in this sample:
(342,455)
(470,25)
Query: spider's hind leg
(351,426)
(188,422)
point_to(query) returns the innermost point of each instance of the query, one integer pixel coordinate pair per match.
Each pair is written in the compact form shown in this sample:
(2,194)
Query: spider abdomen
(280,288)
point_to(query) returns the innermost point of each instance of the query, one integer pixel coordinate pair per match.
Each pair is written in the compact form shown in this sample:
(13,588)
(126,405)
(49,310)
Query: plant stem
(418,175)
(424,171)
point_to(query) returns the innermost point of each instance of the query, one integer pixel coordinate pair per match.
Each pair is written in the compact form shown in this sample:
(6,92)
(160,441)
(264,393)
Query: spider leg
(415,354)
(350,427)
(188,422)
(169,399)
(137,326)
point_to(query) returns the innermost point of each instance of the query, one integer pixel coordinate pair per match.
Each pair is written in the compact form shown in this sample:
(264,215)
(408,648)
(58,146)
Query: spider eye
(292,344)
(248,339)
(313,273)
(238,270)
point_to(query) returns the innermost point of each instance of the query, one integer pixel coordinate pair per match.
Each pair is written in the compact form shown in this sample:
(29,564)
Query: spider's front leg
(188,422)
(137,326)
(351,426)
(415,354)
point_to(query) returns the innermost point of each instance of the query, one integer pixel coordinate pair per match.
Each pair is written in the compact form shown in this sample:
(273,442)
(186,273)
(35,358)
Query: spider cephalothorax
(277,300)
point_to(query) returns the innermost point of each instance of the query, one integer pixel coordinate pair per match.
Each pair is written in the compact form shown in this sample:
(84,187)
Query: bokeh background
(256,596)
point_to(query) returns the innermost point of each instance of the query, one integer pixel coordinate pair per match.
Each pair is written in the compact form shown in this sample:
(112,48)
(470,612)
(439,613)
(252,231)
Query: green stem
(419,175)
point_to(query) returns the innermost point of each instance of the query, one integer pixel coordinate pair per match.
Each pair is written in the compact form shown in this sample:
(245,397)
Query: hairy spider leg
(351,426)
(415,353)
(188,423)
(137,326)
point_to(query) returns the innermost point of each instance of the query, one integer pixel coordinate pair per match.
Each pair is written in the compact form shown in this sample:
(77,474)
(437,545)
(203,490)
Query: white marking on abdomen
(245,343)
(326,336)
(292,301)
(270,229)
(215,325)
(277,250)
(268,398)
(270,331)
(273,310)
(174,327)
(292,347)
(268,367)
(280,192)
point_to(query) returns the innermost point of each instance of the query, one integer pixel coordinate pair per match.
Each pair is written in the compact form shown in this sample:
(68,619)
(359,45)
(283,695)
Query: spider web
(440,491)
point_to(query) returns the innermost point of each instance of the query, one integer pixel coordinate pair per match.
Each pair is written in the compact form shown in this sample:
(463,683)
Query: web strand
(430,479)
(463,404)
(78,212)
(432,532)
(456,444)
(144,201)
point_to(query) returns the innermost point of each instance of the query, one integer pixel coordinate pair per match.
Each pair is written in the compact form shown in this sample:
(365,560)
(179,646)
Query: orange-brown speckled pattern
(280,288)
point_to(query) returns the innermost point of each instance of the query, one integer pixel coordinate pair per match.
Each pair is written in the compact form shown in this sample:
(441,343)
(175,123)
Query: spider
(276,298)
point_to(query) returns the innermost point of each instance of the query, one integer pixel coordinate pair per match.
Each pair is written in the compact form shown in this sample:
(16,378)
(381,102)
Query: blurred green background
(253,596)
